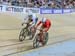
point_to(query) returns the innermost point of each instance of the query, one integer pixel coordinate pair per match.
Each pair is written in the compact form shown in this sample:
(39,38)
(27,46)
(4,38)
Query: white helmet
(34,16)
(44,20)
(30,14)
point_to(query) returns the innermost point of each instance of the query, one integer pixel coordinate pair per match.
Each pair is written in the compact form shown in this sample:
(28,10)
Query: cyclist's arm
(38,24)
(47,27)
(25,20)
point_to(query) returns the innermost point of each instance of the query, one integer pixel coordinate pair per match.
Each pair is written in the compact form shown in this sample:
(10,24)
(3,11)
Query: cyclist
(31,20)
(46,24)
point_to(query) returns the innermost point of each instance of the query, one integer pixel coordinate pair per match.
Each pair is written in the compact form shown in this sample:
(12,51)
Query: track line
(41,47)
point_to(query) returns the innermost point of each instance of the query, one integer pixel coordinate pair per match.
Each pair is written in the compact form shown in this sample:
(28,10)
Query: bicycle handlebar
(27,23)
(40,29)
(24,23)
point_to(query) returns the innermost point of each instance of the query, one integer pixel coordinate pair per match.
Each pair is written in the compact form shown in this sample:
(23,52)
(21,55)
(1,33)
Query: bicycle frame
(40,34)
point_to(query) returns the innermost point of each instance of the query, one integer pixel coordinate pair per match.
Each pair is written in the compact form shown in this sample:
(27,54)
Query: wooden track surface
(63,28)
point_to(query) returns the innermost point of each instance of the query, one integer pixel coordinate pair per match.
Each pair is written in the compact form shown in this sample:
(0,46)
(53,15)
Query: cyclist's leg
(46,34)
(41,36)
(36,20)
(32,31)
(45,40)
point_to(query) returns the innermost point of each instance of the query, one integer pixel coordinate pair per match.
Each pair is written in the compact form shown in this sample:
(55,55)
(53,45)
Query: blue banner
(66,10)
(55,11)
(1,8)
(33,10)
(14,9)
(73,10)
(45,11)
(6,8)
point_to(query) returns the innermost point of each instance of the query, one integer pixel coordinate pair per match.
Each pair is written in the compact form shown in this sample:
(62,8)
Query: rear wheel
(22,35)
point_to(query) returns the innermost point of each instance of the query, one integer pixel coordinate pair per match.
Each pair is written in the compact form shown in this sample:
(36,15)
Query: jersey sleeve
(48,25)
(34,20)
(26,19)
(38,23)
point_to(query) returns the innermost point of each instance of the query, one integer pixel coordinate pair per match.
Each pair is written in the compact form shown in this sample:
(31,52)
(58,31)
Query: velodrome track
(63,29)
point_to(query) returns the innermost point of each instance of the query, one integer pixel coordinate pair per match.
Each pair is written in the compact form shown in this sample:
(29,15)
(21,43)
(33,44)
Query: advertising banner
(46,11)
(57,11)
(73,10)
(14,9)
(1,8)
(6,8)
(33,10)
(66,10)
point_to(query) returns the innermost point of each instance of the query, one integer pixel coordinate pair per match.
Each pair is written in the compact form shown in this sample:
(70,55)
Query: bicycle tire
(36,42)
(22,35)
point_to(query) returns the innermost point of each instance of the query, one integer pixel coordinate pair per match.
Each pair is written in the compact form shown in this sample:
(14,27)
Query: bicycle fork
(41,37)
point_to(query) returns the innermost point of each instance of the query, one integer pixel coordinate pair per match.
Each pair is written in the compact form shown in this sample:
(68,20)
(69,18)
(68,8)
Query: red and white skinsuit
(45,26)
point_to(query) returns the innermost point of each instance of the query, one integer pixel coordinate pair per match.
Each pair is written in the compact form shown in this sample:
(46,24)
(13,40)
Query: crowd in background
(41,3)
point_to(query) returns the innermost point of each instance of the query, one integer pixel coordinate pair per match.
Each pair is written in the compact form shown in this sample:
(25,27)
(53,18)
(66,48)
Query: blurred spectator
(74,4)
(41,3)
(15,3)
(68,4)
(5,2)
(0,1)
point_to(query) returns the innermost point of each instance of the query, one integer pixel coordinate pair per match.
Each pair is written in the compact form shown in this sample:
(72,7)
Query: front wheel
(45,39)
(22,35)
(32,31)
(36,41)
